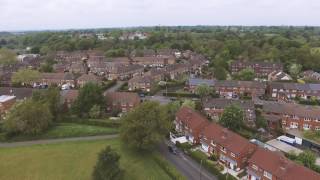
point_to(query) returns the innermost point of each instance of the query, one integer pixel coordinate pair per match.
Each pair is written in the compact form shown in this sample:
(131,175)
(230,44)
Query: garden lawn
(64,130)
(73,161)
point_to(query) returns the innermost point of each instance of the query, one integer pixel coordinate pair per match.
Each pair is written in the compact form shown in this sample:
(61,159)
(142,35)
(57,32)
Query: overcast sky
(64,14)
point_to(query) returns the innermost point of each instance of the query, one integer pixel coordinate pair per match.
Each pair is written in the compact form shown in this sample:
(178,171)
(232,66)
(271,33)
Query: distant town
(207,102)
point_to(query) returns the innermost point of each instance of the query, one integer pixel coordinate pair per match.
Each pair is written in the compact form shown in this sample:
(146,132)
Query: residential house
(121,101)
(68,97)
(124,72)
(193,83)
(176,71)
(156,74)
(268,165)
(261,69)
(234,89)
(311,75)
(59,79)
(78,68)
(214,108)
(279,76)
(143,83)
(151,61)
(19,93)
(287,91)
(85,78)
(231,149)
(190,123)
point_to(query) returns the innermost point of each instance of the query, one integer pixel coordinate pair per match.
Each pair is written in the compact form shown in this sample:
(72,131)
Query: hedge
(96,122)
(168,168)
(175,94)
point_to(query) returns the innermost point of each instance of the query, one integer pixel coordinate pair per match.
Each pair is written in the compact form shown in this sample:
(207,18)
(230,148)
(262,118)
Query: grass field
(72,161)
(63,130)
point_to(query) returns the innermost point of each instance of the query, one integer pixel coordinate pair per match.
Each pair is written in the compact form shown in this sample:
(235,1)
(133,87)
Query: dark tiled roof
(20,93)
(196,82)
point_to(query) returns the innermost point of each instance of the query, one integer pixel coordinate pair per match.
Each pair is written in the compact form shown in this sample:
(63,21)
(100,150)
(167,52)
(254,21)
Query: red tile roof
(281,167)
(191,118)
(228,139)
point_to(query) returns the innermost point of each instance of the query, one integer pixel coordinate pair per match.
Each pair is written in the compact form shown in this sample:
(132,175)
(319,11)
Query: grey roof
(295,86)
(222,103)
(197,81)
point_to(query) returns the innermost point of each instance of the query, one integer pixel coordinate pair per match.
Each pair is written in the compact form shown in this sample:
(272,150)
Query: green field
(72,161)
(64,130)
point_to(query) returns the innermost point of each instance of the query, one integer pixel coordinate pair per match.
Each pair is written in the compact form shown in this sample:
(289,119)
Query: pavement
(187,166)
(161,99)
(51,141)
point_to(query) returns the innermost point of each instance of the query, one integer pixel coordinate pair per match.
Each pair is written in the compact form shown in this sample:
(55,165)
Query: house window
(317,128)
(267,175)
(254,167)
(306,126)
(232,155)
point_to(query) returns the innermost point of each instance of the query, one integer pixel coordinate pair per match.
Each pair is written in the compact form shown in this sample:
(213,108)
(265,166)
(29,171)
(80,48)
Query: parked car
(173,149)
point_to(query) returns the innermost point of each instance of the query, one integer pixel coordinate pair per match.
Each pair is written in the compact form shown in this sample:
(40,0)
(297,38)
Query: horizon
(36,15)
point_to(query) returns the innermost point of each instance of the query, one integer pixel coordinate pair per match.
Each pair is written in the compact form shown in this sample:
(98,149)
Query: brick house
(230,89)
(143,83)
(231,149)
(68,97)
(121,101)
(85,78)
(175,71)
(154,61)
(193,83)
(279,76)
(190,123)
(261,69)
(124,72)
(311,75)
(214,108)
(58,79)
(283,91)
(292,116)
(268,165)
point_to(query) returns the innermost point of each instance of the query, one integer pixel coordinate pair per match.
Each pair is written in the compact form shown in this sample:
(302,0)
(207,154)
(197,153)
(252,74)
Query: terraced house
(214,108)
(190,124)
(121,101)
(261,69)
(231,149)
(234,89)
(285,91)
(267,165)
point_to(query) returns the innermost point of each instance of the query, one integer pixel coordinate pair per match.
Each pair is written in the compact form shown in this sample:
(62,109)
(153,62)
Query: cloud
(61,14)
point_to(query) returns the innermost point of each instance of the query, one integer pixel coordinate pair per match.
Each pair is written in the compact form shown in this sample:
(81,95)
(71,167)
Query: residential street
(50,141)
(115,87)
(188,167)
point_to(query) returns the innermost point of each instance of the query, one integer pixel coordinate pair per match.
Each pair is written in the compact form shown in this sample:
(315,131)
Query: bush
(176,94)
(96,122)
(168,168)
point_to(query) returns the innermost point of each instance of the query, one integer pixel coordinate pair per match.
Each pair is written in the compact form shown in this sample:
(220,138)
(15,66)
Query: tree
(51,97)
(295,70)
(28,117)
(145,126)
(89,95)
(172,108)
(232,117)
(220,73)
(25,76)
(107,167)
(245,75)
(307,158)
(95,112)
(203,90)
(189,103)
(7,57)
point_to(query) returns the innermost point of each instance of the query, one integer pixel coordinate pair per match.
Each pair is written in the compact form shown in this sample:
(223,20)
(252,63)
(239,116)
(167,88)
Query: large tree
(25,76)
(232,117)
(89,95)
(28,117)
(7,57)
(295,70)
(245,75)
(145,126)
(203,90)
(107,167)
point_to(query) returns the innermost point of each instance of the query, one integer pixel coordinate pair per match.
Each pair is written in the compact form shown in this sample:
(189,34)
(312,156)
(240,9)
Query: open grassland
(72,160)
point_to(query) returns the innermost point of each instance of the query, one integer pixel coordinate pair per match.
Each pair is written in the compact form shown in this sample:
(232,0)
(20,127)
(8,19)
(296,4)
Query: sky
(17,15)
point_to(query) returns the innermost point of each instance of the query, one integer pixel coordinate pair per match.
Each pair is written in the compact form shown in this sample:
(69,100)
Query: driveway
(187,166)
(50,141)
(115,87)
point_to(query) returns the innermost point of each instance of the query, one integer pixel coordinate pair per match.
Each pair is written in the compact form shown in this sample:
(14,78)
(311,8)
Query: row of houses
(275,90)
(261,69)
(236,152)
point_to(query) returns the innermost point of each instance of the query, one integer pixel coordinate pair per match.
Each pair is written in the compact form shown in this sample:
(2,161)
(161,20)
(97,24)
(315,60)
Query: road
(115,87)
(187,167)
(50,141)
(161,99)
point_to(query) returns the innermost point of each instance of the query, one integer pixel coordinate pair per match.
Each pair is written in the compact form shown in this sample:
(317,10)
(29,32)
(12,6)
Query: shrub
(168,168)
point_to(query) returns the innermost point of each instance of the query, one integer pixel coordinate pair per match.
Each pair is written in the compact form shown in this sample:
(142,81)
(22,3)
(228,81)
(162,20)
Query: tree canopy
(232,117)
(28,117)
(7,57)
(245,75)
(145,126)
(25,76)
